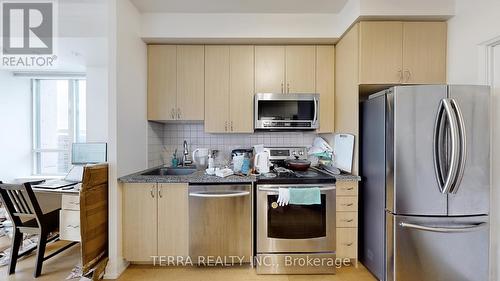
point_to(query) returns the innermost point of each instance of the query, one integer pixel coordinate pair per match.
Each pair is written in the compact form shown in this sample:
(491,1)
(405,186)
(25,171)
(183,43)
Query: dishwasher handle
(220,194)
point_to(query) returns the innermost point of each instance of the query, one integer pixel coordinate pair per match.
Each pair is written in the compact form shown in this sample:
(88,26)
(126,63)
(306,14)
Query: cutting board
(343,148)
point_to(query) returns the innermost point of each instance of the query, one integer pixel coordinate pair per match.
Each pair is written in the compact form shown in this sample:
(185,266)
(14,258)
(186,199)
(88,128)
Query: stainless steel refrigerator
(425,167)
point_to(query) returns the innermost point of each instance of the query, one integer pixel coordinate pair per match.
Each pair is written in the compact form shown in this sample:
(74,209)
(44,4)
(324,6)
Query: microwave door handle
(315,119)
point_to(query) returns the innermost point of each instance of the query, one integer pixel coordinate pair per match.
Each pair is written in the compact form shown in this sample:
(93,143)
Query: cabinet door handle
(231,126)
(348,244)
(400,74)
(225,126)
(160,194)
(179,114)
(152,192)
(348,204)
(282,88)
(349,188)
(172,113)
(407,75)
(347,220)
(288,87)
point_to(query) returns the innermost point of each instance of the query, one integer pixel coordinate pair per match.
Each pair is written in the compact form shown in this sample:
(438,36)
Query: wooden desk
(83,215)
(68,200)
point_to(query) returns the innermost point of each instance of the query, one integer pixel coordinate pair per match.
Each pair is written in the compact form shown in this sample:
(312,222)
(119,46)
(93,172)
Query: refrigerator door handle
(461,229)
(446,184)
(463,146)
(438,146)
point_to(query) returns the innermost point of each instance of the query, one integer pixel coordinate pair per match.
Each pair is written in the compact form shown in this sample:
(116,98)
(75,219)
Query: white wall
(127,128)
(159,26)
(476,22)
(15,126)
(199,25)
(496,166)
(407,8)
(97,104)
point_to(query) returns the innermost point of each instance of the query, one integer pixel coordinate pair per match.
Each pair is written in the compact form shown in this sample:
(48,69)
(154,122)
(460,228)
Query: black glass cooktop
(284,176)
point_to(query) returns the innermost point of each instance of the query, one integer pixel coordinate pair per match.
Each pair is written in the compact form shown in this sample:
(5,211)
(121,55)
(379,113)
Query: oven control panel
(283,153)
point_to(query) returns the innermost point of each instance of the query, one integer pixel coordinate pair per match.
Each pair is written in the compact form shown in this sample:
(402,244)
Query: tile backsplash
(164,139)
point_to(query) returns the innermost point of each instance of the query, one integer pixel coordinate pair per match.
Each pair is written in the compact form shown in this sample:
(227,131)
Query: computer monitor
(88,153)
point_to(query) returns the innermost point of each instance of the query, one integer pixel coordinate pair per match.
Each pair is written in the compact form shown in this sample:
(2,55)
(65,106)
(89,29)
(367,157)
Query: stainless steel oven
(295,231)
(286,111)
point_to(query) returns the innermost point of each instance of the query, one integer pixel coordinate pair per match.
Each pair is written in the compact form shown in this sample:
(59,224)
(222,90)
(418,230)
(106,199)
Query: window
(58,121)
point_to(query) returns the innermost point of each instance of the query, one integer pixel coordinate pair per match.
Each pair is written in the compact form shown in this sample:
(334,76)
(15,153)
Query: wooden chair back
(20,202)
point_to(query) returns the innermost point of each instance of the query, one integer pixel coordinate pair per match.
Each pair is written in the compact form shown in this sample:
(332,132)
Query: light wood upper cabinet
(402,52)
(173,220)
(380,52)
(162,82)
(424,52)
(216,89)
(241,88)
(176,78)
(140,221)
(229,89)
(269,69)
(300,69)
(190,82)
(325,71)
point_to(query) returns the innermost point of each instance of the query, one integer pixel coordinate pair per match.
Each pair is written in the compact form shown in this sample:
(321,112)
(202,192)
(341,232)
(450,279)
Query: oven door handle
(276,189)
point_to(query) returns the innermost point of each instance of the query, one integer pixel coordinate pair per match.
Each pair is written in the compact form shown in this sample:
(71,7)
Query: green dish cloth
(305,196)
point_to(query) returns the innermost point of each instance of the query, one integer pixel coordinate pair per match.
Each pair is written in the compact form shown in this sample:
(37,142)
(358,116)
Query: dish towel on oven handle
(283,196)
(305,196)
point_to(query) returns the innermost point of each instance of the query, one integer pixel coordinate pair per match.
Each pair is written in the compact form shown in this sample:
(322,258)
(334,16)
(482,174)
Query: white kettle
(261,161)
(200,157)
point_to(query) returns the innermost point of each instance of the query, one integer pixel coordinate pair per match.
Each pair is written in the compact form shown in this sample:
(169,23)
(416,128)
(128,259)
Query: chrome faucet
(185,158)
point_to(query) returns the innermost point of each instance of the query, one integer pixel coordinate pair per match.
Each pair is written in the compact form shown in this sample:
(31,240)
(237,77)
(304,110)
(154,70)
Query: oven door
(286,111)
(295,228)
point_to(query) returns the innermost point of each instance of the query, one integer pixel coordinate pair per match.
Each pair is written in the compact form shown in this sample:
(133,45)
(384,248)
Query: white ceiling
(239,6)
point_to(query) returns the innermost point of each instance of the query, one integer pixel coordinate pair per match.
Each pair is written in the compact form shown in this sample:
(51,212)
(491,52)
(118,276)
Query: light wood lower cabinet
(155,220)
(173,220)
(140,216)
(347,220)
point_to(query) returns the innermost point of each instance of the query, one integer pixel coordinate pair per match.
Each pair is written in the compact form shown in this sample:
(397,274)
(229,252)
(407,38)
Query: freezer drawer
(437,248)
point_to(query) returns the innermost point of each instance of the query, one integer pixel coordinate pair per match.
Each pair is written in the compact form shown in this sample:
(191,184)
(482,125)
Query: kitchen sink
(178,171)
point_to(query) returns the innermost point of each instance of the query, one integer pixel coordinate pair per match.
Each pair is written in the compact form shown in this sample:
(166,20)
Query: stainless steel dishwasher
(220,223)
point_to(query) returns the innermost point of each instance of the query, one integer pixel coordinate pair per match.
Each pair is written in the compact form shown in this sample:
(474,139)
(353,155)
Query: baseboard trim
(113,271)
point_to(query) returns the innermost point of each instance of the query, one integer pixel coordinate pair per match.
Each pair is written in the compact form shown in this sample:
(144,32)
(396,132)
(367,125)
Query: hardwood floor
(150,273)
(60,266)
(55,268)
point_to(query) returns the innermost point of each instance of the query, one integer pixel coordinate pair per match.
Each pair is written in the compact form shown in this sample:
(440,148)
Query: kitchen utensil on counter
(238,163)
(297,164)
(261,161)
(200,157)
(343,150)
(246,152)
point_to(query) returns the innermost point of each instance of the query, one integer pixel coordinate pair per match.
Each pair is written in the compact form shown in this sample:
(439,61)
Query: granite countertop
(196,177)
(201,177)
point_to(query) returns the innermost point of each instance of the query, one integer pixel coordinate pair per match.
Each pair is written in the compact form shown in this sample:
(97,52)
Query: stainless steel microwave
(286,111)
